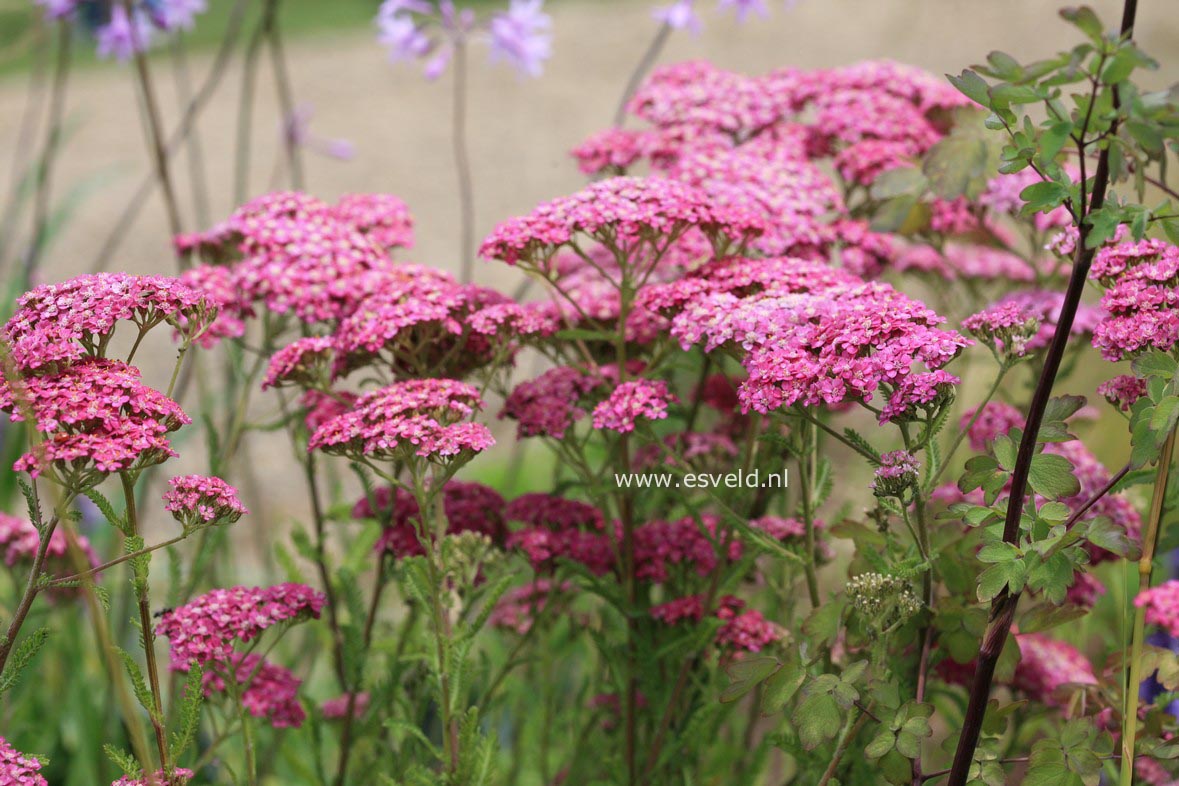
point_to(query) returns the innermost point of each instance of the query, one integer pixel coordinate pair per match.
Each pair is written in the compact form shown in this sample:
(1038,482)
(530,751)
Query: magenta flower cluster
(206,629)
(198,501)
(17,769)
(1162,606)
(1141,297)
(426,418)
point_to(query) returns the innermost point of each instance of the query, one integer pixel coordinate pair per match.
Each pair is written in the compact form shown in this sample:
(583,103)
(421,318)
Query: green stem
(805,468)
(1003,369)
(145,622)
(1145,567)
(850,729)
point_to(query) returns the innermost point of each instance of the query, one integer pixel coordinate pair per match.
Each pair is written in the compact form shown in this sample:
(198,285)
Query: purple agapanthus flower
(744,8)
(522,36)
(124,35)
(680,15)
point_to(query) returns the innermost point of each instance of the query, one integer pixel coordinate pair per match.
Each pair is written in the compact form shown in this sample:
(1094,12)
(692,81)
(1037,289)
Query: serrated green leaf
(1051,475)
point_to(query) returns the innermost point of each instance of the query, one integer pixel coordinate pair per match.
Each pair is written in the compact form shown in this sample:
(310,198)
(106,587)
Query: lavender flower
(522,36)
(680,15)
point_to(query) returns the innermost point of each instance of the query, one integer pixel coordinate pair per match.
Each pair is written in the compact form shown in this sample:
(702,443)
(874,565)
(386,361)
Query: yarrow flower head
(468,507)
(197,501)
(1123,391)
(896,475)
(1047,665)
(743,629)
(641,399)
(20,541)
(1005,327)
(556,528)
(1162,606)
(268,690)
(18,769)
(618,210)
(548,405)
(58,323)
(424,418)
(1141,298)
(306,362)
(206,629)
(95,417)
(384,218)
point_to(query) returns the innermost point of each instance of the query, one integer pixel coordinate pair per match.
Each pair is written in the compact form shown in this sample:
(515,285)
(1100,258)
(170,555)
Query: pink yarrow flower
(268,691)
(425,418)
(206,629)
(1162,606)
(18,769)
(197,501)
(1123,391)
(642,399)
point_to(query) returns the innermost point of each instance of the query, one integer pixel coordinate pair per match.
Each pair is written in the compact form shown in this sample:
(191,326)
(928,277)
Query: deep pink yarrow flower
(95,416)
(640,399)
(1162,606)
(57,323)
(305,362)
(206,629)
(198,501)
(18,769)
(269,691)
(423,418)
(1123,391)
(619,210)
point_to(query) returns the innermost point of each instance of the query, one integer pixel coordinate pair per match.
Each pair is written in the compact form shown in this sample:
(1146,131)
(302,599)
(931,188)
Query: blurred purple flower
(176,14)
(57,9)
(298,132)
(745,7)
(680,15)
(402,37)
(123,35)
(522,36)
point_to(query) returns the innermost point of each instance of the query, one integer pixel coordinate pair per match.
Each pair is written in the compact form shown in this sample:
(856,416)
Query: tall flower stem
(44,170)
(196,155)
(155,134)
(286,98)
(145,621)
(640,73)
(462,161)
(1145,567)
(806,468)
(1003,607)
(120,229)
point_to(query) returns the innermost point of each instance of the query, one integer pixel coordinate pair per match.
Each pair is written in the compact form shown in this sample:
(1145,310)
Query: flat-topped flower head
(180,776)
(417,324)
(640,399)
(744,629)
(1141,298)
(697,94)
(468,507)
(638,214)
(548,405)
(268,690)
(384,218)
(1162,606)
(556,528)
(20,541)
(1004,327)
(18,769)
(1123,390)
(57,323)
(896,475)
(424,418)
(306,363)
(217,284)
(689,608)
(95,416)
(208,628)
(197,501)
(919,396)
(1047,665)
